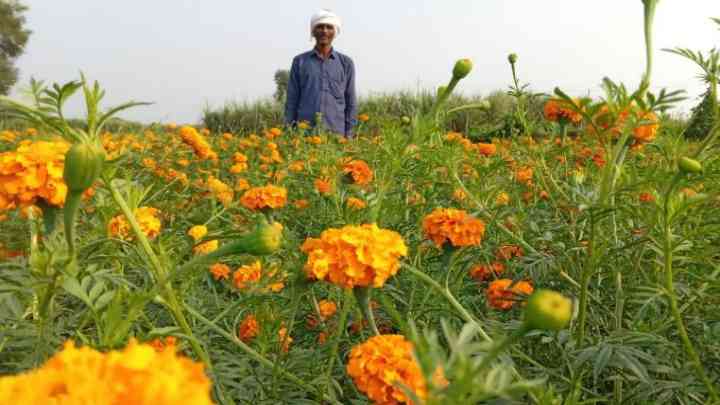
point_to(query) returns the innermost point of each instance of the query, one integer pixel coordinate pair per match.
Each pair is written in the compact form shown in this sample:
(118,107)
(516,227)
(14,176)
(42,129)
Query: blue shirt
(322,85)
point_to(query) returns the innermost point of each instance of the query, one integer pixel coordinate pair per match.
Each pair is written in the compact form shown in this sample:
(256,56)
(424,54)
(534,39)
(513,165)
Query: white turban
(325,17)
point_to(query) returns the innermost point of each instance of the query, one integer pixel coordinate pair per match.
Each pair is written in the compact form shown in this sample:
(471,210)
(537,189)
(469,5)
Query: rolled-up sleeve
(293,94)
(350,101)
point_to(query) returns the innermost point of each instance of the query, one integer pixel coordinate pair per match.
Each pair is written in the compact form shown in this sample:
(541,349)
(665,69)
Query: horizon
(192,55)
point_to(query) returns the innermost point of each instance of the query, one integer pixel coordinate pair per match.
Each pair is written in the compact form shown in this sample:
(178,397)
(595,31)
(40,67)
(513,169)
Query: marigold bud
(689,165)
(548,310)
(83,164)
(462,68)
(512,58)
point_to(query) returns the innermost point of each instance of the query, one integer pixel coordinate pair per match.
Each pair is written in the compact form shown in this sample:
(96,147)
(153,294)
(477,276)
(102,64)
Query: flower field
(575,263)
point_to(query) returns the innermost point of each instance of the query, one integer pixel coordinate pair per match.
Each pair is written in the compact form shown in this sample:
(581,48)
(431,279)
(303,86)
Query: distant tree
(703,117)
(282,77)
(13,37)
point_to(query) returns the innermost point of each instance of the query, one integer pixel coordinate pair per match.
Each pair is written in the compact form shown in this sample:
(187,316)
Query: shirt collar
(332,53)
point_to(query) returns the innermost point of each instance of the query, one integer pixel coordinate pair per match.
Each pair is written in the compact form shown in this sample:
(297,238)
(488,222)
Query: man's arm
(293,94)
(350,101)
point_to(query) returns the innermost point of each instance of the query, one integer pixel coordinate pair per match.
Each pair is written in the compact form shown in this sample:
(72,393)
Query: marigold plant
(269,196)
(197,232)
(138,374)
(200,145)
(363,255)
(500,294)
(147,218)
(561,110)
(359,171)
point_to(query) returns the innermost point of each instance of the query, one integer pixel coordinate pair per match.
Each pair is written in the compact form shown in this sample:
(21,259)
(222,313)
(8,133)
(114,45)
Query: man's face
(324,34)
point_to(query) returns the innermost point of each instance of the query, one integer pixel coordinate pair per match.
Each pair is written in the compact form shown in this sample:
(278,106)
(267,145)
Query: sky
(186,55)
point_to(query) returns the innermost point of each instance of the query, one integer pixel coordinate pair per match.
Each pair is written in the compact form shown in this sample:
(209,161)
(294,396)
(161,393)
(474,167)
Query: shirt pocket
(336,80)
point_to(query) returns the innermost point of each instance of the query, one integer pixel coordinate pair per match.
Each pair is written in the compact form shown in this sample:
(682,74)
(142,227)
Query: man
(323,81)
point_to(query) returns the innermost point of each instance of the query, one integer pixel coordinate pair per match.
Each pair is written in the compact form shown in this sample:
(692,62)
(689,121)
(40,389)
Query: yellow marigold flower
(183,162)
(455,226)
(206,247)
(383,363)
(315,140)
(353,255)
(147,218)
(273,133)
(196,141)
(327,308)
(248,329)
(502,199)
(363,118)
(459,195)
(303,125)
(137,374)
(359,171)
(241,185)
(197,232)
(356,203)
(220,271)
(269,196)
(222,191)
(297,166)
(246,275)
(32,172)
(501,296)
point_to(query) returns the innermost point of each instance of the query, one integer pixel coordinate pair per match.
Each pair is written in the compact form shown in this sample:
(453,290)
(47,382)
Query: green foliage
(282,77)
(703,117)
(13,37)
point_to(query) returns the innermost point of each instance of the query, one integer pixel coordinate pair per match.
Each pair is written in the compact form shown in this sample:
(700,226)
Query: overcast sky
(185,54)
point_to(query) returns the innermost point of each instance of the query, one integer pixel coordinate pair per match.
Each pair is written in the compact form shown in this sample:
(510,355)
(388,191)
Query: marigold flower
(248,329)
(486,149)
(355,203)
(220,190)
(297,166)
(502,199)
(323,186)
(269,196)
(499,296)
(524,175)
(138,374)
(560,110)
(327,308)
(646,133)
(303,125)
(459,195)
(455,226)
(301,204)
(147,218)
(273,133)
(34,171)
(284,339)
(220,271)
(646,197)
(383,363)
(197,232)
(241,185)
(247,274)
(483,272)
(206,247)
(359,171)
(240,163)
(353,255)
(192,138)
(507,252)
(363,118)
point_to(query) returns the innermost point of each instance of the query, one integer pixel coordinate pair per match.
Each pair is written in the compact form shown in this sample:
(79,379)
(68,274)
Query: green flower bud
(548,310)
(405,120)
(83,164)
(441,90)
(265,239)
(462,68)
(689,165)
(512,58)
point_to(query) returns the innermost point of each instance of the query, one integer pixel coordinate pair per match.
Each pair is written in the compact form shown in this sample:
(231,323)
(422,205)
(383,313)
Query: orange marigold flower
(327,308)
(247,274)
(382,364)
(269,196)
(560,110)
(353,255)
(273,133)
(501,296)
(196,141)
(486,149)
(301,204)
(220,271)
(147,218)
(359,171)
(297,166)
(483,272)
(459,195)
(455,226)
(646,197)
(507,252)
(197,232)
(241,185)
(646,132)
(206,247)
(137,374)
(355,203)
(248,329)
(363,118)
(323,186)
(284,339)
(524,175)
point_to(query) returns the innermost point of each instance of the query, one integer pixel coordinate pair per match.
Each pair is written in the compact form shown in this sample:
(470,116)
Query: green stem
(255,355)
(347,303)
(72,205)
(672,297)
(499,347)
(362,295)
(649,16)
(586,273)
